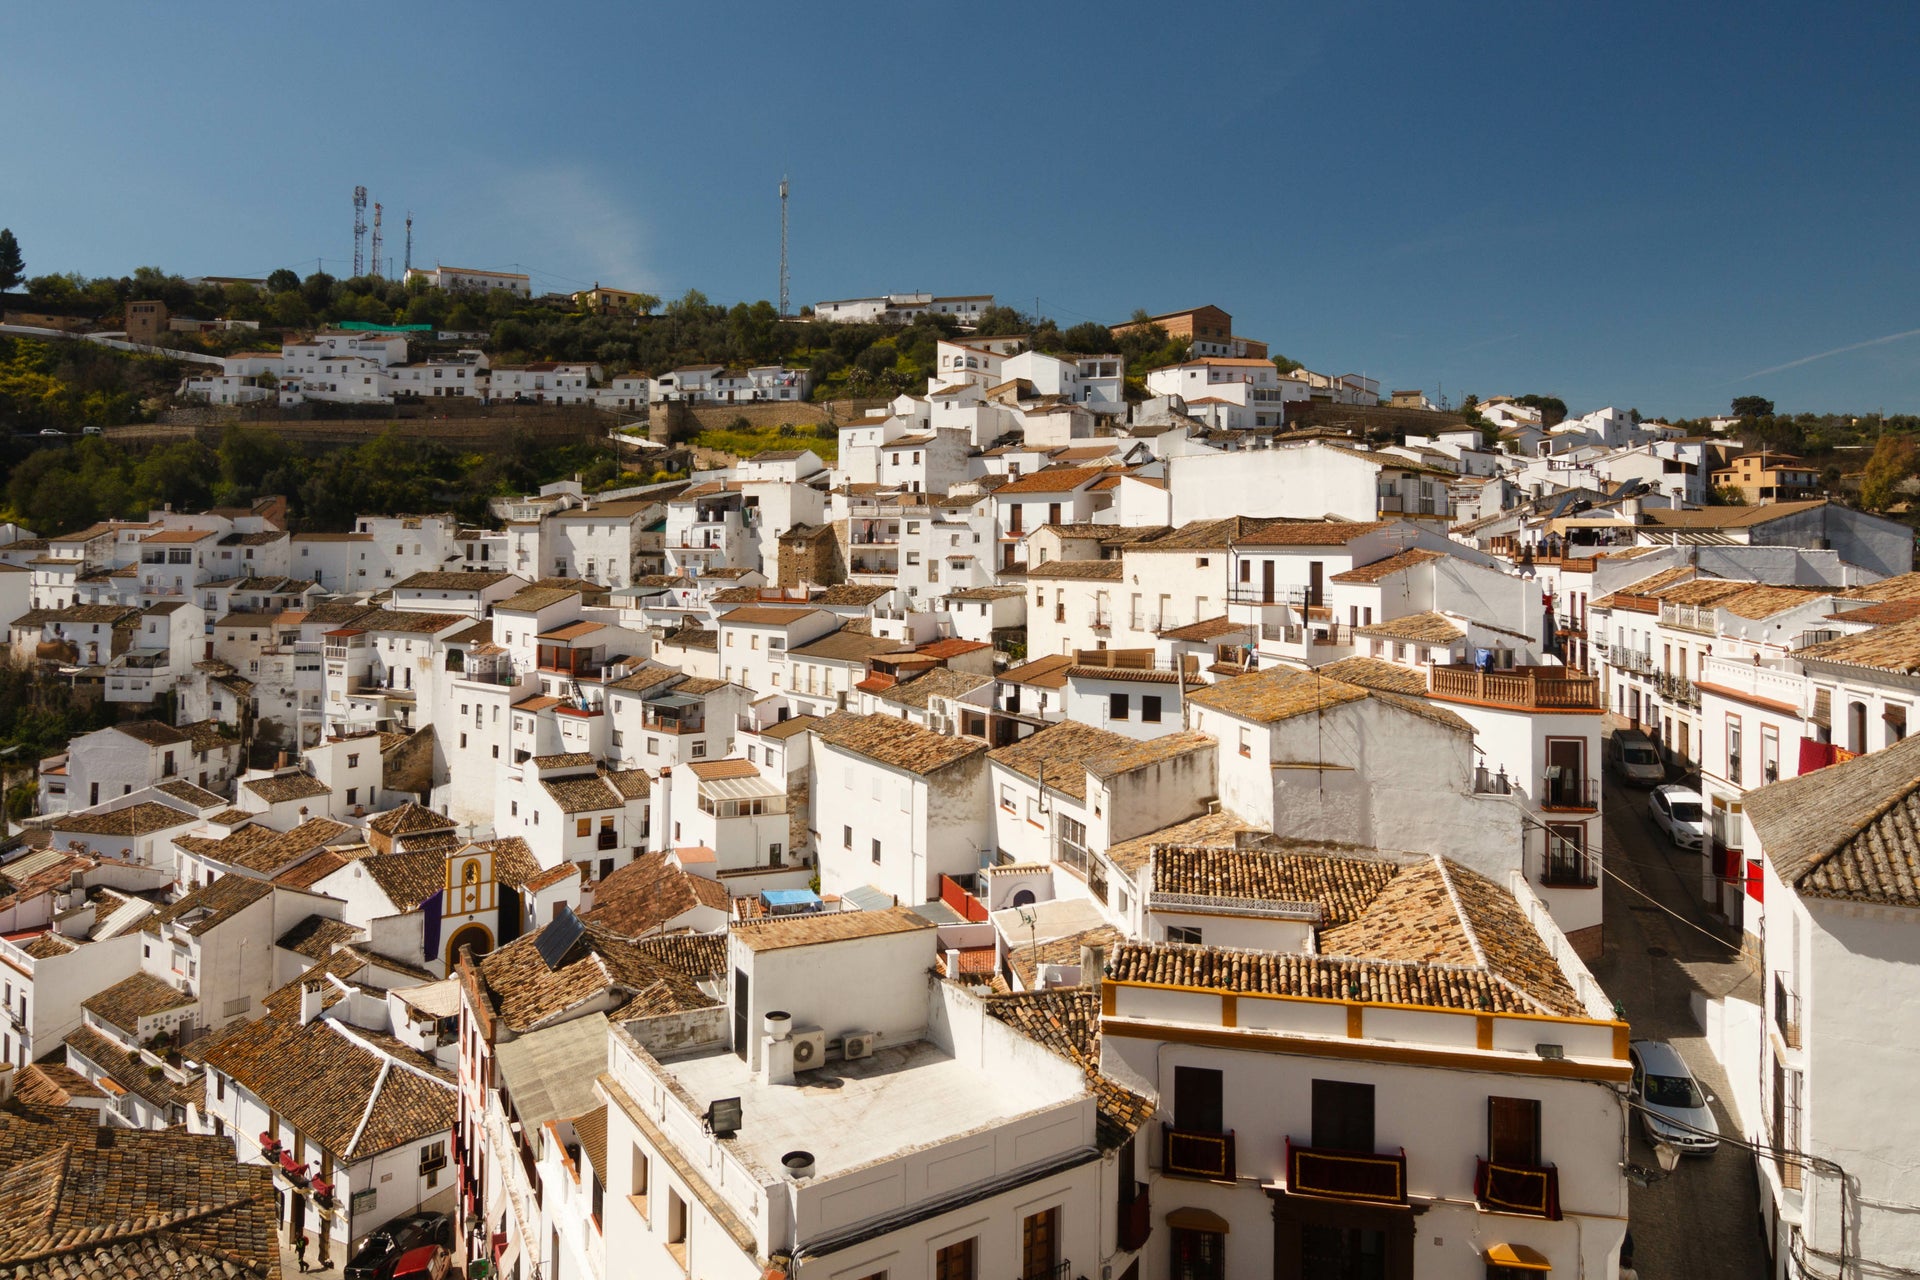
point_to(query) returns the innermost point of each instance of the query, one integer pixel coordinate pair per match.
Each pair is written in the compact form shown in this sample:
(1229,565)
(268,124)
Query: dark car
(382,1249)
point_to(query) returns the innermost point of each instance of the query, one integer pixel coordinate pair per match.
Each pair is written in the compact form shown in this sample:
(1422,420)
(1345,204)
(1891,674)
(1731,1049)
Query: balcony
(1487,782)
(1522,688)
(1368,1177)
(1559,791)
(1676,689)
(1100,619)
(1567,866)
(1190,1153)
(1136,1219)
(1786,1011)
(1689,617)
(1533,1190)
(608,840)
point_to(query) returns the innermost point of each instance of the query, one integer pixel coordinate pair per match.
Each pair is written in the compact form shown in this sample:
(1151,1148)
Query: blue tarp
(789,898)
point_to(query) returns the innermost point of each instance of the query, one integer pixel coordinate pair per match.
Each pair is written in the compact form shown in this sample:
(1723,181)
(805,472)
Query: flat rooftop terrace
(850,1114)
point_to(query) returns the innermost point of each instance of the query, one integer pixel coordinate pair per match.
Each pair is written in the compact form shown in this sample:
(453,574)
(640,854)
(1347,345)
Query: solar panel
(559,937)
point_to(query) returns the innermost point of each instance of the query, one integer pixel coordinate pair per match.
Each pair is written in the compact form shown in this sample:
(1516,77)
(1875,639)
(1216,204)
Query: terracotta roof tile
(895,742)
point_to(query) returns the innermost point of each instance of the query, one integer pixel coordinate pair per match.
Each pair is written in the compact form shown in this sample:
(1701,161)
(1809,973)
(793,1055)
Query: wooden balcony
(1189,1153)
(1365,1176)
(1522,688)
(1533,1190)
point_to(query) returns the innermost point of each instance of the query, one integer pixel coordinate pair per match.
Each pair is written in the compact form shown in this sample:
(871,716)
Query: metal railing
(1786,1011)
(1559,791)
(1487,782)
(1528,1189)
(1566,865)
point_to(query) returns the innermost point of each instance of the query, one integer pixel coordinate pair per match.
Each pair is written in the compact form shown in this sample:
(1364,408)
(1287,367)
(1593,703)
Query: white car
(1681,813)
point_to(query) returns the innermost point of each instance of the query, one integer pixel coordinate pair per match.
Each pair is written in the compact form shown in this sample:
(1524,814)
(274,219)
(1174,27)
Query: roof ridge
(1899,796)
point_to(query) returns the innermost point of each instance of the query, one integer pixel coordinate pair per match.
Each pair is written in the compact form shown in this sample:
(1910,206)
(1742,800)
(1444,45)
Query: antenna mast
(359,231)
(784,308)
(376,237)
(408,268)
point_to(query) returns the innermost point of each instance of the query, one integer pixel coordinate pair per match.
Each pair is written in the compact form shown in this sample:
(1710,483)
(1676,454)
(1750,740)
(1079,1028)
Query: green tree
(1286,365)
(282,281)
(13,268)
(1553,410)
(1752,407)
(1892,462)
(56,290)
(645,303)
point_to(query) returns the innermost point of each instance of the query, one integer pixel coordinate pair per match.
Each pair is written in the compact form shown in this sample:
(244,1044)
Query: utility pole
(359,231)
(784,303)
(408,261)
(376,238)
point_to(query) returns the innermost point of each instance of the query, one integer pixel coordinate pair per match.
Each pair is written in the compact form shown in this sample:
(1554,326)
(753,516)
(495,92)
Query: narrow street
(1702,1220)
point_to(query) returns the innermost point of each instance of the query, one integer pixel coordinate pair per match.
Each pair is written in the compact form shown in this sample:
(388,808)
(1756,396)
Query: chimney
(662,811)
(953,964)
(312,999)
(1093,963)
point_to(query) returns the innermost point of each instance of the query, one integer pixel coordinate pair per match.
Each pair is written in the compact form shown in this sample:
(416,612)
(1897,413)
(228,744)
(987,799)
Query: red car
(428,1262)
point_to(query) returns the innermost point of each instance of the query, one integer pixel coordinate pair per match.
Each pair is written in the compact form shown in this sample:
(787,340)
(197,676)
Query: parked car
(1681,813)
(1672,1106)
(381,1251)
(1635,760)
(428,1262)
(92,431)
(51,431)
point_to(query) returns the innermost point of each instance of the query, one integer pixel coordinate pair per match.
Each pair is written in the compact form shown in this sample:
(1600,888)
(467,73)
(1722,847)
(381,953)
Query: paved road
(1703,1220)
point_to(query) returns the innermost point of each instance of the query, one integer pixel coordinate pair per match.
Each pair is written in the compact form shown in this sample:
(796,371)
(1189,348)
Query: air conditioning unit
(809,1050)
(858,1044)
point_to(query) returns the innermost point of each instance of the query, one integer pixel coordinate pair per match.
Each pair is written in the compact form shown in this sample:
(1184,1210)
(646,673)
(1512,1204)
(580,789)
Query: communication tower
(376,237)
(359,231)
(783,247)
(407,266)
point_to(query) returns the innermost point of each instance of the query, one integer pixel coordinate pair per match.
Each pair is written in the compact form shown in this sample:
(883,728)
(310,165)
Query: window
(1735,774)
(1119,706)
(1198,1255)
(1181,933)
(583,827)
(1197,1105)
(955,1261)
(1150,708)
(1513,1131)
(876,851)
(1040,1243)
(1342,1115)
(1246,741)
(846,837)
(353,761)
(642,1168)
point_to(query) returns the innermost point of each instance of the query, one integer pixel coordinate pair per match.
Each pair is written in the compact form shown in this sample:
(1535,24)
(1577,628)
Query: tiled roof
(352,1092)
(132,998)
(52,1084)
(1241,531)
(774,933)
(198,797)
(408,879)
(1052,480)
(1905,586)
(533,599)
(1731,517)
(1275,694)
(462,581)
(644,895)
(135,820)
(847,646)
(852,594)
(1049,672)
(1895,648)
(1342,887)
(81,1203)
(1065,753)
(1207,629)
(526,993)
(698,955)
(210,904)
(1077,570)
(1067,1021)
(316,936)
(1416,628)
(283,787)
(895,742)
(151,732)
(263,850)
(1389,566)
(1376,673)
(319,867)
(941,682)
(1651,585)
(1208,830)
(707,770)
(1850,831)
(645,679)
(1025,959)
(1763,601)
(768,615)
(582,795)
(409,819)
(1701,591)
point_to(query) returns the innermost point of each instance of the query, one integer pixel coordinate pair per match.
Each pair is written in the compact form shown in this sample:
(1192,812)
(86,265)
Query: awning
(1519,1257)
(1191,1219)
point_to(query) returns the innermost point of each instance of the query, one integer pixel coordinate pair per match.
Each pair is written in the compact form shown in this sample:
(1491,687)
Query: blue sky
(1655,206)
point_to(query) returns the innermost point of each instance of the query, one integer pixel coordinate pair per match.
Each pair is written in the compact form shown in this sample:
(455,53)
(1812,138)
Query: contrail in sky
(1837,351)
